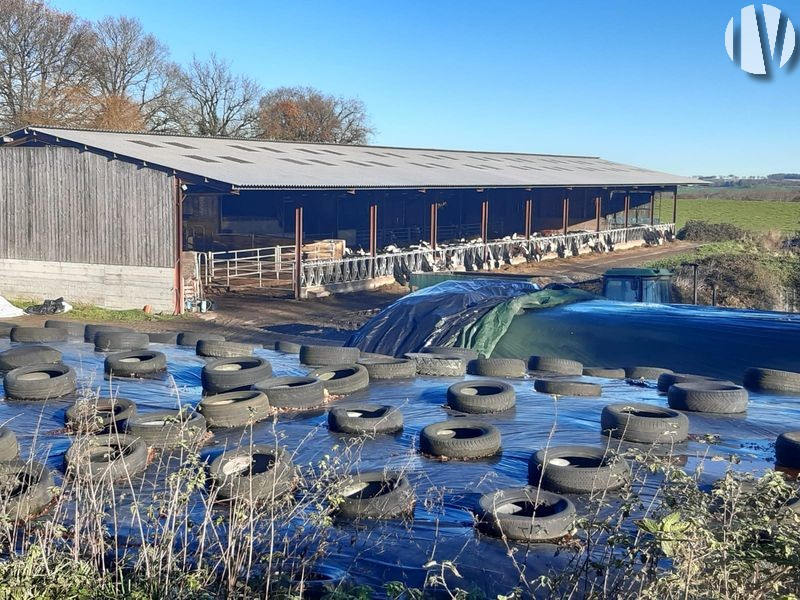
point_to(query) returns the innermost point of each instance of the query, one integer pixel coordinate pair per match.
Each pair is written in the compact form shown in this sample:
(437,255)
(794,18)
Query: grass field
(749,214)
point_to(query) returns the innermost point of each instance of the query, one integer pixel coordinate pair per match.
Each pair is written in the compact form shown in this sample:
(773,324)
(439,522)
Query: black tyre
(497,367)
(287,347)
(26,488)
(9,445)
(644,423)
(787,449)
(293,393)
(255,474)
(168,428)
(324,356)
(389,368)
(34,335)
(107,457)
(230,374)
(460,438)
(772,380)
(23,356)
(552,364)
(163,337)
(40,382)
(218,349)
(722,397)
(466,354)
(665,380)
(91,330)
(645,372)
(309,582)
(375,495)
(481,396)
(135,363)
(99,415)
(527,514)
(367,357)
(235,409)
(438,365)
(117,341)
(73,328)
(606,372)
(365,419)
(565,387)
(190,338)
(577,470)
(339,380)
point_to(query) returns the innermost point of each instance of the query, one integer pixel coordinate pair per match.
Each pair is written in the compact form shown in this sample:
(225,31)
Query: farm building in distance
(128,219)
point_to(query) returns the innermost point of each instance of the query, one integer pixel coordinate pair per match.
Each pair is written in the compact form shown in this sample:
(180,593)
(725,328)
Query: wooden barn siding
(60,204)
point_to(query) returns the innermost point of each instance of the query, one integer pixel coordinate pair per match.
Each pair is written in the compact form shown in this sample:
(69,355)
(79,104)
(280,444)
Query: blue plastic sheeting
(434,315)
(514,319)
(694,339)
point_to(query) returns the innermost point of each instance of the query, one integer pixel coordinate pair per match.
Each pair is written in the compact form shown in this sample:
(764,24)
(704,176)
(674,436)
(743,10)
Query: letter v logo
(751,39)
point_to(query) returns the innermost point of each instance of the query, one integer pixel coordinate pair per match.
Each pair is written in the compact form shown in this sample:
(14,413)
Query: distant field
(749,214)
(787,191)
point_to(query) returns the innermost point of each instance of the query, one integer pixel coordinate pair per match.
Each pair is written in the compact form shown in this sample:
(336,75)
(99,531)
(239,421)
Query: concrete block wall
(108,286)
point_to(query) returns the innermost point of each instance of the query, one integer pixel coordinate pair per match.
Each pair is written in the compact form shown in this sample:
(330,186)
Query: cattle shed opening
(123,219)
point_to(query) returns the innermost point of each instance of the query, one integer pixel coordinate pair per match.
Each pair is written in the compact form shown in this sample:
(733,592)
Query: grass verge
(91,313)
(747,273)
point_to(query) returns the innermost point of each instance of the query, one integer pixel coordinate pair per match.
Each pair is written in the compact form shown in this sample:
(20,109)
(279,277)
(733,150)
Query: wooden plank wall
(61,204)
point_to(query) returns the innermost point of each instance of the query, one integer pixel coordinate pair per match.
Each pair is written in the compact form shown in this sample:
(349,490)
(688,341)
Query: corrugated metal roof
(253,163)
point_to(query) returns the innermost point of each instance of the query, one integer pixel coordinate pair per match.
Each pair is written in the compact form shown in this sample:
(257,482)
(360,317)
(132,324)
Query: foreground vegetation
(665,535)
(756,215)
(748,270)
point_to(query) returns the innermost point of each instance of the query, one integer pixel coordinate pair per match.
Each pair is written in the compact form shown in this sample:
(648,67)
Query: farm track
(250,316)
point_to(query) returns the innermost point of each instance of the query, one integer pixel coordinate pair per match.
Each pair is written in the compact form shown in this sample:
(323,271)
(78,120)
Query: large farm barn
(124,220)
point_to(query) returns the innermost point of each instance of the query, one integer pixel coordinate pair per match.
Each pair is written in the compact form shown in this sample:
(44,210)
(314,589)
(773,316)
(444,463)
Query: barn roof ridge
(253,163)
(298,142)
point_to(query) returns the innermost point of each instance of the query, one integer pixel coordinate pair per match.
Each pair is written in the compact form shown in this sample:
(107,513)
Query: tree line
(58,69)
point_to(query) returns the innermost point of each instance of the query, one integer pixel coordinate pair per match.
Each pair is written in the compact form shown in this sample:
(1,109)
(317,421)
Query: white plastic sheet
(8,310)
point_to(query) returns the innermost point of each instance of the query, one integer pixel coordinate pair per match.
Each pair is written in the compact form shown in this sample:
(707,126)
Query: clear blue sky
(636,81)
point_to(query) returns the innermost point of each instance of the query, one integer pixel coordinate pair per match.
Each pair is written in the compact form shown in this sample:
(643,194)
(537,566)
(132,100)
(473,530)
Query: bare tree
(217,102)
(117,113)
(134,81)
(306,114)
(43,52)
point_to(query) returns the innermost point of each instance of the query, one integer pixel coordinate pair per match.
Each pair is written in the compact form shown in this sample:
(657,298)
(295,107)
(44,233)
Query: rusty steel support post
(373,236)
(485,221)
(565,216)
(627,211)
(434,224)
(485,228)
(675,206)
(373,229)
(652,208)
(298,252)
(528,217)
(179,196)
(597,208)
